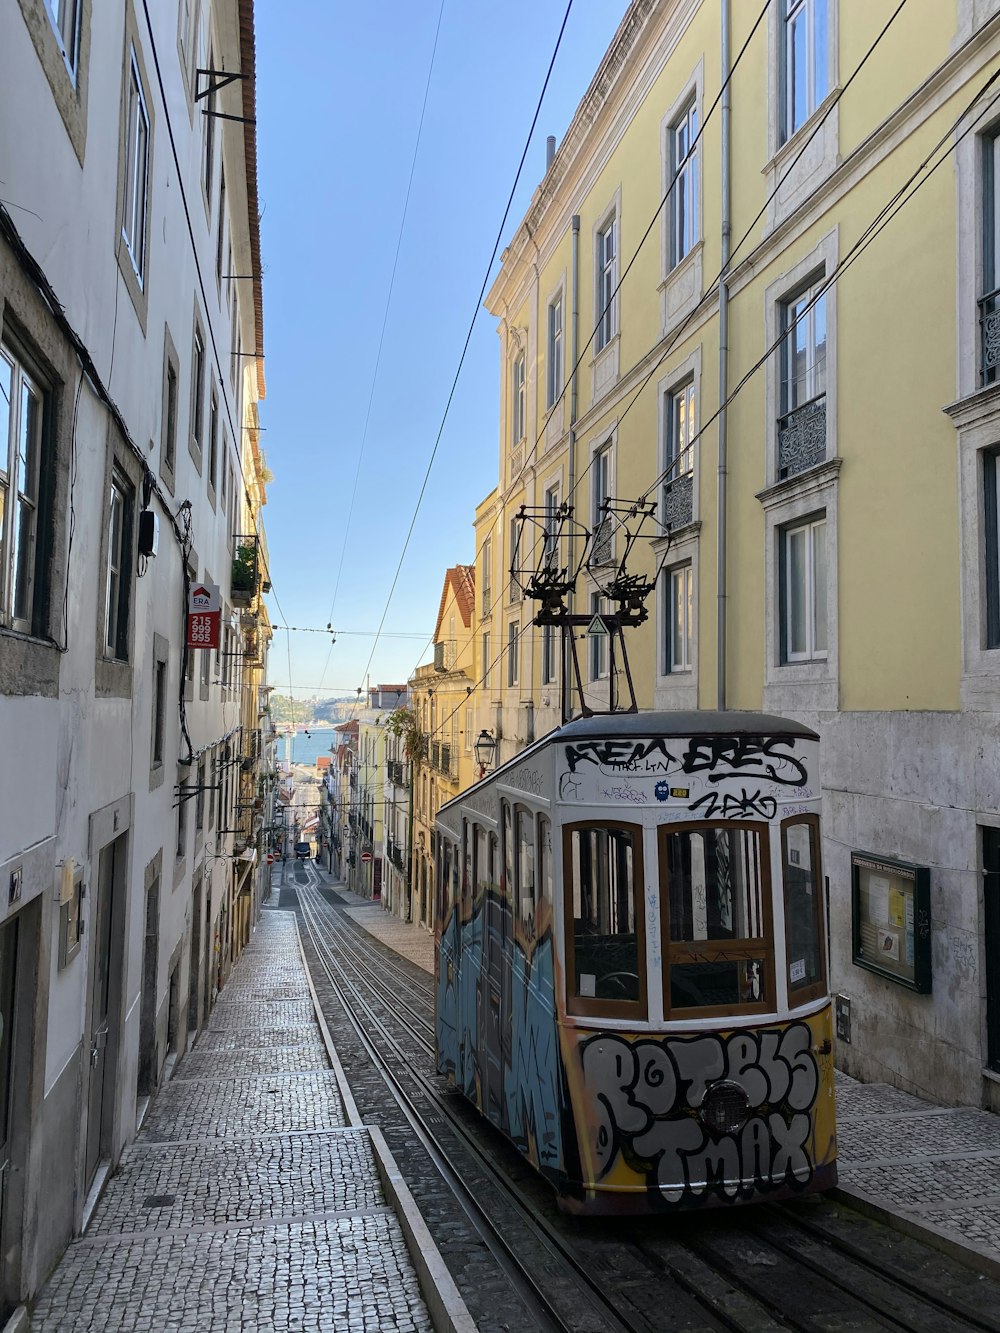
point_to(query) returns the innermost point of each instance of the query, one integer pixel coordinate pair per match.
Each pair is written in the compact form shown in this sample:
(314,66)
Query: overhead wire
(385,320)
(472,323)
(886,213)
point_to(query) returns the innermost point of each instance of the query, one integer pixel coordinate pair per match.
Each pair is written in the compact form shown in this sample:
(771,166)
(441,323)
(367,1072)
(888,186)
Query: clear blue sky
(339,91)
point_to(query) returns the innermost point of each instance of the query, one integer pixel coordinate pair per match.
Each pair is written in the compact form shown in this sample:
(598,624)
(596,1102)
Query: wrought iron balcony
(678,501)
(989,336)
(802,438)
(602,549)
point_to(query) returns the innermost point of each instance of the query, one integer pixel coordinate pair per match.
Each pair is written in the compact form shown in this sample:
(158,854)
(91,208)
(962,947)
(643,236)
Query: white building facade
(133,798)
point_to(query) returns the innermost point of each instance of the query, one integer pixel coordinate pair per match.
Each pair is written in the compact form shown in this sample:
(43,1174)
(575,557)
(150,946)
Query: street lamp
(485,750)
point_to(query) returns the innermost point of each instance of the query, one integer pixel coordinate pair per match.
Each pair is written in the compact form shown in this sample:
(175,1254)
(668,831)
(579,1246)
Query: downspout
(725,110)
(574,335)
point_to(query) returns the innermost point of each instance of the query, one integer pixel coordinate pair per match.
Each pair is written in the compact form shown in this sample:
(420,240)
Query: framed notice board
(891,916)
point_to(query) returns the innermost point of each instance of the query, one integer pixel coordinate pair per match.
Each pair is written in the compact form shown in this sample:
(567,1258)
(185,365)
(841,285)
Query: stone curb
(448,1311)
(961,1250)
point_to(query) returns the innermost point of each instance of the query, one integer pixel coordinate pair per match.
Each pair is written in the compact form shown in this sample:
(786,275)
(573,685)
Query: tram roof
(697,722)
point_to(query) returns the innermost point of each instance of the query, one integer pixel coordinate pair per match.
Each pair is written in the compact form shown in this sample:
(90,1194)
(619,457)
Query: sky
(339,95)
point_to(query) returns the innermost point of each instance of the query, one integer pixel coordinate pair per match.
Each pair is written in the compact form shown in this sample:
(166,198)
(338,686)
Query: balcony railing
(989,336)
(678,501)
(802,438)
(602,550)
(246,573)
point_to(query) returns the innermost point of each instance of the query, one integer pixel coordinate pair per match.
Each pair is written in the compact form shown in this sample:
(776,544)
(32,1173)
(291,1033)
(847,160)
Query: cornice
(634,60)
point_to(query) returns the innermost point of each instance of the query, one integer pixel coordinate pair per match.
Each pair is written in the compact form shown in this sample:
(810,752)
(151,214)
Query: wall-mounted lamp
(485,750)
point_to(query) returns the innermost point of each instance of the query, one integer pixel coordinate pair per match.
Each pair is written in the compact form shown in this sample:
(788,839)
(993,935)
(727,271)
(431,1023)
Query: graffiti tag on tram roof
(717,757)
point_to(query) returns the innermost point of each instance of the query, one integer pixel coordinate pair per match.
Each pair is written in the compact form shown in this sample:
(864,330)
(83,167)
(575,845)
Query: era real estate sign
(204,615)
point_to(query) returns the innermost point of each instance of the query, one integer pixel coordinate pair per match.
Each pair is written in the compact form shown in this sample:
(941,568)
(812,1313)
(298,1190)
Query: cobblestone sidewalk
(248,1202)
(934,1170)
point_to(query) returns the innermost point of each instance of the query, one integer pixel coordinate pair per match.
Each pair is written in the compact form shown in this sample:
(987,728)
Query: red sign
(204,616)
(270,858)
(366,856)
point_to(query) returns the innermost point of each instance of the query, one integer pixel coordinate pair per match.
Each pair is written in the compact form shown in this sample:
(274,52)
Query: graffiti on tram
(648,1093)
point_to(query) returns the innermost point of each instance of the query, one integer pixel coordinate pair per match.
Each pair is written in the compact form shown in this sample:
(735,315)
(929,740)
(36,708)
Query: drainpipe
(725,110)
(574,334)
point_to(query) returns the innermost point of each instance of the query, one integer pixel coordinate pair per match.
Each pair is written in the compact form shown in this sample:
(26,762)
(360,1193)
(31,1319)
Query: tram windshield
(717,943)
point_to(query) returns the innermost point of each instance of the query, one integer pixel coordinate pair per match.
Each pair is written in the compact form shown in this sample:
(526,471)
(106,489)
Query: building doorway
(8,992)
(194,964)
(991,941)
(148,1071)
(105,972)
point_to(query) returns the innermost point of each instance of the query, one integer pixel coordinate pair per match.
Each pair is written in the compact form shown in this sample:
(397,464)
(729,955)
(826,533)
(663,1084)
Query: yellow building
(441,700)
(818,435)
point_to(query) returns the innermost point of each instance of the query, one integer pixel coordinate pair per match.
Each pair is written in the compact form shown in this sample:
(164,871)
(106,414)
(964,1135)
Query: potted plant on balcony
(245,577)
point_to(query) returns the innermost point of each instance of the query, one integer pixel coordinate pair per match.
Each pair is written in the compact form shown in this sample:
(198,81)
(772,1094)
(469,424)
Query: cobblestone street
(248,1202)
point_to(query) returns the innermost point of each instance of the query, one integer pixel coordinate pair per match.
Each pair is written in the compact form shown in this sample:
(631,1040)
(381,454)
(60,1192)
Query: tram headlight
(725,1108)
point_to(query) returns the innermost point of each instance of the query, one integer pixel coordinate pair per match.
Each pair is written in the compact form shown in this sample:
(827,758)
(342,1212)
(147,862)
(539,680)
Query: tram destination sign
(705,777)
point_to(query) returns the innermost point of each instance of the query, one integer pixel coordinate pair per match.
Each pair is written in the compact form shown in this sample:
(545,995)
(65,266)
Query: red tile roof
(461,579)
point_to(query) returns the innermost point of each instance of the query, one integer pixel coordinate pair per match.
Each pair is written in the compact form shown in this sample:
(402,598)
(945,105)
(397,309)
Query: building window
(684,187)
(197,393)
(602,546)
(136,172)
(803,592)
(213,439)
(65,16)
(555,352)
(487,664)
(514,594)
(119,573)
(804,61)
(991,531)
(517,404)
(551,525)
(159,709)
(607,281)
(989,302)
(802,417)
(679,423)
(513,632)
(22,404)
(222,228)
(548,655)
(168,440)
(679,619)
(208,143)
(598,642)
(487,580)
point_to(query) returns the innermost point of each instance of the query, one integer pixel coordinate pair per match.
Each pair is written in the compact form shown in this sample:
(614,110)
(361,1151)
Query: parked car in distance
(303,851)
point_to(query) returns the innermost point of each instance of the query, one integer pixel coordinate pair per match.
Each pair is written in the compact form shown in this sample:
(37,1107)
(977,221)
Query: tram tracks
(752,1271)
(554,1285)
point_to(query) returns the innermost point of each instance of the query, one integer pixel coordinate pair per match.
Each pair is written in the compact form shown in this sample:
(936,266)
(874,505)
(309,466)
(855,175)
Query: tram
(631,961)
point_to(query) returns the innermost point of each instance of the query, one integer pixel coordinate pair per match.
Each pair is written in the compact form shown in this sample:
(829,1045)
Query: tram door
(8,983)
(100,1094)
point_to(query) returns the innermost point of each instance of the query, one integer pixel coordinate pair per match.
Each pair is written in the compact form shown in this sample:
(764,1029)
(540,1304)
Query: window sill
(790,147)
(812,481)
(683,288)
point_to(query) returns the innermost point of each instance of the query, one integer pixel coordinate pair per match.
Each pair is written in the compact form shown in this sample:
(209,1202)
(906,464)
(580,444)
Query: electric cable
(385,320)
(889,210)
(677,334)
(472,323)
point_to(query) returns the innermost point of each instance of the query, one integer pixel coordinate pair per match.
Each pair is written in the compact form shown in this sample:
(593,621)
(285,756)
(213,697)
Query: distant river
(306,749)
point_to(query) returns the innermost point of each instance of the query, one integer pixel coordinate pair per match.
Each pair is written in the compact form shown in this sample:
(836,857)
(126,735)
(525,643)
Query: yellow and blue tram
(631,960)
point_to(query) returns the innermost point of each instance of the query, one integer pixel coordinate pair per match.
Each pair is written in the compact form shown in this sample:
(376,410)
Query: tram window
(608,958)
(717,945)
(803,914)
(545,858)
(508,852)
(444,879)
(469,878)
(714,876)
(526,868)
(482,861)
